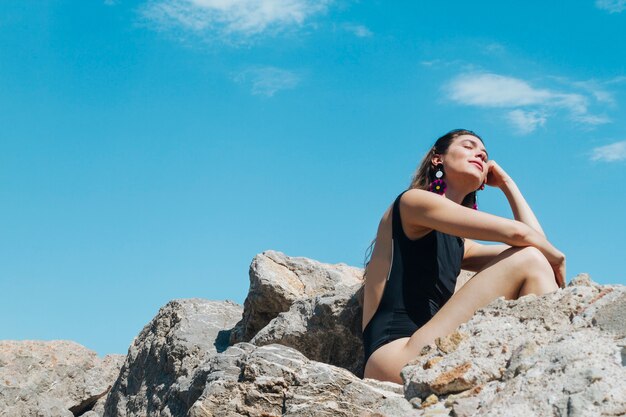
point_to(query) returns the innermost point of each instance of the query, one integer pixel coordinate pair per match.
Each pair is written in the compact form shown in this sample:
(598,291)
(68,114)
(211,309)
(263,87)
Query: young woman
(422,243)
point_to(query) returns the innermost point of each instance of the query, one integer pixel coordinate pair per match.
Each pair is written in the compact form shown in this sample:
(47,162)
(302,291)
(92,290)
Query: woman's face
(465,160)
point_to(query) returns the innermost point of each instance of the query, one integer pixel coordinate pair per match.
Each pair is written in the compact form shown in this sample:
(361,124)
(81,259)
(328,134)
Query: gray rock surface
(276,380)
(52,378)
(277,281)
(562,354)
(558,354)
(182,336)
(309,306)
(325,328)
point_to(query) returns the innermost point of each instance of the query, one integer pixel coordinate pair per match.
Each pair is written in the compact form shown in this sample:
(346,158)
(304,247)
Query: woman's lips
(478,165)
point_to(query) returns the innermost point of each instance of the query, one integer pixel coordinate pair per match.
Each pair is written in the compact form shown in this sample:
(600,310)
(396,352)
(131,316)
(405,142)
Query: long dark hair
(423,176)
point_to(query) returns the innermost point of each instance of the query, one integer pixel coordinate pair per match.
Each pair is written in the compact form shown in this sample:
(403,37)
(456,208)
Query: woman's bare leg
(515,272)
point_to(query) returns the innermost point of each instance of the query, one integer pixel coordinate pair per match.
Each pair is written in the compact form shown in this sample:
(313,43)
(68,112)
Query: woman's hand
(496,177)
(559,272)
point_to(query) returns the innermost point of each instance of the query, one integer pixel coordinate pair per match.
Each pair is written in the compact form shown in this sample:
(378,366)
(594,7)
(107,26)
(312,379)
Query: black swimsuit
(421,279)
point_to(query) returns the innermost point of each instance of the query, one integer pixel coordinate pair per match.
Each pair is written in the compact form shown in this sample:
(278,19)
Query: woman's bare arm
(421,208)
(496,177)
(521,209)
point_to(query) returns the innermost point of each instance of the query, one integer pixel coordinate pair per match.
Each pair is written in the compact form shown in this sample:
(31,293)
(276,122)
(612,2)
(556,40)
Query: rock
(307,305)
(276,380)
(582,280)
(277,281)
(183,335)
(559,353)
(325,328)
(52,378)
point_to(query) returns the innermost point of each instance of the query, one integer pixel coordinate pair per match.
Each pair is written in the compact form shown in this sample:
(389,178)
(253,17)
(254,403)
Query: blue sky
(150,149)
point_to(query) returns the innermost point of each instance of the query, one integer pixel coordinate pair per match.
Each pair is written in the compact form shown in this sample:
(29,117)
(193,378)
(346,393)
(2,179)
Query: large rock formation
(55,378)
(296,350)
(559,354)
(334,318)
(183,335)
(277,281)
(275,380)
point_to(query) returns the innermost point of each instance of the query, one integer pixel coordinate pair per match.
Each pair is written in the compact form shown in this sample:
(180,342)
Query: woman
(422,243)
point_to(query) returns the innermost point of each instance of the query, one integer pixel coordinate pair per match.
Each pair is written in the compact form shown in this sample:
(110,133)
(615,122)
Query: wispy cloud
(360,31)
(613,6)
(526,121)
(596,88)
(610,153)
(233,21)
(530,104)
(598,92)
(267,81)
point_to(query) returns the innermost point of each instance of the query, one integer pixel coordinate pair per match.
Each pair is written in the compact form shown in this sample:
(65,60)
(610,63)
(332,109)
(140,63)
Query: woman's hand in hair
(496,176)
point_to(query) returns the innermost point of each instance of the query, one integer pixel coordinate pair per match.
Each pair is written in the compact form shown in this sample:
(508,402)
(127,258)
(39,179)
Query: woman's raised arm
(421,208)
(496,177)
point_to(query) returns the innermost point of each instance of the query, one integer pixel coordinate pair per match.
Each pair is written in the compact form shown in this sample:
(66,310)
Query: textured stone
(183,335)
(276,380)
(277,281)
(560,354)
(52,378)
(531,356)
(326,328)
(310,306)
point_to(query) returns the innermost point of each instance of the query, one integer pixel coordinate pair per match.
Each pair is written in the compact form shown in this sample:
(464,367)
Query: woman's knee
(531,259)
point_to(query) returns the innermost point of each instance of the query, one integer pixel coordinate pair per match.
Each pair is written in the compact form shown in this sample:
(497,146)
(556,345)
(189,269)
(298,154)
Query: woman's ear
(436,159)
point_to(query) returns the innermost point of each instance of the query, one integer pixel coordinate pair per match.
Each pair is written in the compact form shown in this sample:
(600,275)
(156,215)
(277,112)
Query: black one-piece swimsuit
(421,279)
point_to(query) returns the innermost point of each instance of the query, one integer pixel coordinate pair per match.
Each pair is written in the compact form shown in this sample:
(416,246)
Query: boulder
(276,380)
(558,353)
(53,378)
(309,306)
(325,328)
(184,334)
(277,281)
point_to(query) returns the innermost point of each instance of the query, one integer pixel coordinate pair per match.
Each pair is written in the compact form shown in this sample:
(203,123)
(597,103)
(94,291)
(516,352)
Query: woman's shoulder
(410,199)
(416,197)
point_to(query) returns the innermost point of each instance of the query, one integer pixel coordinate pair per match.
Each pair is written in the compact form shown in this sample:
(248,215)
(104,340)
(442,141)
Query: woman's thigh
(387,361)
(502,276)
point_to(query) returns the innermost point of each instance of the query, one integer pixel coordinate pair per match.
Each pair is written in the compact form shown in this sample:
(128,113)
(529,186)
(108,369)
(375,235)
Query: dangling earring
(438,186)
(482,187)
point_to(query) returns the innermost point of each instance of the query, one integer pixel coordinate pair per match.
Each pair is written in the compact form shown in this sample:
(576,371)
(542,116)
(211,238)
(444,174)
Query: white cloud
(526,121)
(494,48)
(610,153)
(613,6)
(231,20)
(493,90)
(358,30)
(593,119)
(268,80)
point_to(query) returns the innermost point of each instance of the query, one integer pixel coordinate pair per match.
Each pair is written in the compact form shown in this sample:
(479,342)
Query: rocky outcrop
(275,380)
(325,328)
(174,369)
(52,378)
(277,281)
(183,335)
(558,354)
(561,354)
(321,316)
